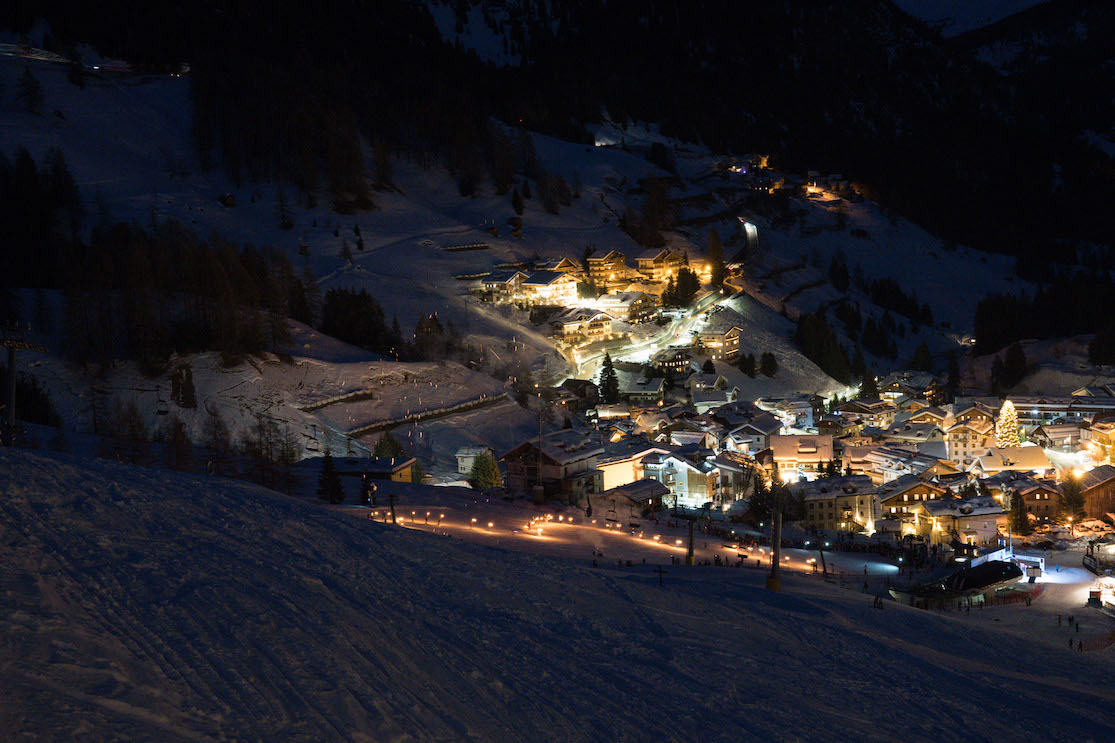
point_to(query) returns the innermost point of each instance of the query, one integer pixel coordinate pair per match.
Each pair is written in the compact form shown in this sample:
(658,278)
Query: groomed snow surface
(144,605)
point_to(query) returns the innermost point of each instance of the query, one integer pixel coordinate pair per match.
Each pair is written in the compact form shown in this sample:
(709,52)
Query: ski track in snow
(142,605)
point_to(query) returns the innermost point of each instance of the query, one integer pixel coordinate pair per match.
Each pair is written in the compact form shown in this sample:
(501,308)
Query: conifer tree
(1006,427)
(388,447)
(708,367)
(1072,499)
(868,389)
(608,382)
(1019,521)
(747,365)
(329,486)
(717,268)
(485,472)
(768,365)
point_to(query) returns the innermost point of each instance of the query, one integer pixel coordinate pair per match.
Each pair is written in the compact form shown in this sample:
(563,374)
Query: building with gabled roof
(890,462)
(1099,490)
(561,265)
(971,521)
(797,457)
(1013,458)
(608,271)
(564,465)
(898,497)
(549,287)
(842,503)
(660,264)
(505,286)
(1063,436)
(693,480)
(967,439)
(622,462)
(628,306)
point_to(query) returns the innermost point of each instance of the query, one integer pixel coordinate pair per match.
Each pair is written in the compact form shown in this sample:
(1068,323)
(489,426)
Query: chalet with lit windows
(925,414)
(659,265)
(1040,497)
(872,412)
(621,462)
(974,412)
(1012,458)
(719,341)
(505,286)
(914,384)
(838,503)
(678,362)
(560,265)
(737,476)
(582,325)
(797,457)
(705,381)
(608,271)
(1099,439)
(887,463)
(754,436)
(549,287)
(976,521)
(643,391)
(1063,436)
(564,465)
(693,480)
(898,498)
(630,306)
(967,439)
(1036,411)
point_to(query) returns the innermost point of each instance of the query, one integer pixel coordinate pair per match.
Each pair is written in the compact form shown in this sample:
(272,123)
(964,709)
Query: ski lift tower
(14,338)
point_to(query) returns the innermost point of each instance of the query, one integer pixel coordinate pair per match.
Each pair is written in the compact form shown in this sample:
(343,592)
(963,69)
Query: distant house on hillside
(560,265)
(659,265)
(549,287)
(466,457)
(627,306)
(608,271)
(505,286)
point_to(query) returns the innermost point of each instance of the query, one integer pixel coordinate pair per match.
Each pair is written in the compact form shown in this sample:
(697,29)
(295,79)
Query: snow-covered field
(143,605)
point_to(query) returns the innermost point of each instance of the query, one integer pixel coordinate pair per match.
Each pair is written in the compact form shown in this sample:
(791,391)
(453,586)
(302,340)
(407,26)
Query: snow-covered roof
(824,488)
(1017,458)
(1097,476)
(808,448)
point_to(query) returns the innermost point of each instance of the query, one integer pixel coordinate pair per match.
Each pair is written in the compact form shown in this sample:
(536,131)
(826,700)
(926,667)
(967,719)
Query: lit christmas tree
(1006,428)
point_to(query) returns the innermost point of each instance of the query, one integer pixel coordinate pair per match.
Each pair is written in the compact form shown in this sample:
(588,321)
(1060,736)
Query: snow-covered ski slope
(144,605)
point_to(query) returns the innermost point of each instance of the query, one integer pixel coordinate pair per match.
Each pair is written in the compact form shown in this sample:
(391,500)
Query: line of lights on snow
(534,528)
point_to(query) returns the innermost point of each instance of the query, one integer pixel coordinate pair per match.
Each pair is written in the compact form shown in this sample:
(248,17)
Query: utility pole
(774,580)
(15,339)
